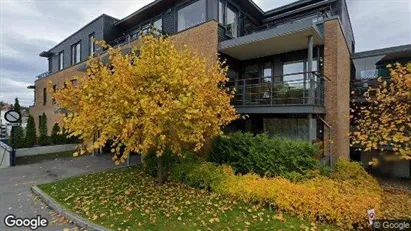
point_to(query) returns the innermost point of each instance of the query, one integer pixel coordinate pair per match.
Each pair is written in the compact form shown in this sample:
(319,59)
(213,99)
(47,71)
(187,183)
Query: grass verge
(128,199)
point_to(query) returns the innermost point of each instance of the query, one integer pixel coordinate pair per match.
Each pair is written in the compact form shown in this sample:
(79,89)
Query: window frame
(73,56)
(61,60)
(221,4)
(44,96)
(184,5)
(91,44)
(54,91)
(236,11)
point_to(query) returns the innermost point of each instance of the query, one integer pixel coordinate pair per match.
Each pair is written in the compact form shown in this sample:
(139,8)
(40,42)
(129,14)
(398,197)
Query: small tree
(55,137)
(18,139)
(43,138)
(384,121)
(160,98)
(17,106)
(31,136)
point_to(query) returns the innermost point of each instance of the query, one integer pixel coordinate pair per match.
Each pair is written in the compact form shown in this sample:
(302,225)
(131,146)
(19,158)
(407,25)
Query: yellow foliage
(342,200)
(156,97)
(385,120)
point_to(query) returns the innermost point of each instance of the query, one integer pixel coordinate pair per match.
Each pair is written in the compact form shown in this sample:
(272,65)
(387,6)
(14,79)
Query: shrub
(55,137)
(43,138)
(18,138)
(267,156)
(338,200)
(31,136)
(204,175)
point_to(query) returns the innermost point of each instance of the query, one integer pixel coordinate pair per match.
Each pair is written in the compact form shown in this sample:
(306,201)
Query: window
(44,96)
(75,53)
(293,128)
(91,44)
(221,12)
(191,15)
(39,121)
(50,64)
(74,82)
(232,22)
(54,91)
(289,70)
(61,60)
(158,24)
(267,72)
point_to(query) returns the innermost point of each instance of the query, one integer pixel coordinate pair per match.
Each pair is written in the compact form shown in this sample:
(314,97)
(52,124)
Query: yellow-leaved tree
(384,120)
(156,97)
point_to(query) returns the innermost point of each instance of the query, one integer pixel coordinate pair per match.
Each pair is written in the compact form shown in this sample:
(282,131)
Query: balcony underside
(281,109)
(287,38)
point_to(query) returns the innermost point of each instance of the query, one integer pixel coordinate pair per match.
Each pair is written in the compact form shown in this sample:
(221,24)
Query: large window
(75,53)
(291,68)
(191,15)
(91,45)
(294,128)
(232,22)
(158,24)
(61,60)
(221,12)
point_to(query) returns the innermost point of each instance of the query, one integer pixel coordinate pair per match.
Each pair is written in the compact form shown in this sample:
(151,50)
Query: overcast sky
(29,27)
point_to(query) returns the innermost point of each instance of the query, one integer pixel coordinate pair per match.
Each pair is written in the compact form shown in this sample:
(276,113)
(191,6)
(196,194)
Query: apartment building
(291,65)
(368,66)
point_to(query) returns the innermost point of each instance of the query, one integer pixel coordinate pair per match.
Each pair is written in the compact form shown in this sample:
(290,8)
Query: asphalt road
(15,182)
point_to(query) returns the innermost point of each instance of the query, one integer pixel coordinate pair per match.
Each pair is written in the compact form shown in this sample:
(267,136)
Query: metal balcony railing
(132,36)
(360,86)
(43,75)
(304,88)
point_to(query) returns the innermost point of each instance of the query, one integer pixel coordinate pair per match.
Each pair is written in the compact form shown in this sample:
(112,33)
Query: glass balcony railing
(282,90)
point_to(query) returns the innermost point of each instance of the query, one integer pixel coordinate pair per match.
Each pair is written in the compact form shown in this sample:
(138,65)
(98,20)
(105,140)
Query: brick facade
(337,67)
(202,39)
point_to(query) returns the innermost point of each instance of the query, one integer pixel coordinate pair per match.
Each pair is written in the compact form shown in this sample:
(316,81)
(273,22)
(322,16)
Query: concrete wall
(337,67)
(45,150)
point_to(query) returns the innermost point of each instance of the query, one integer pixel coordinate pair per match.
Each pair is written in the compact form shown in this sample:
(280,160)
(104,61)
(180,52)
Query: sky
(28,27)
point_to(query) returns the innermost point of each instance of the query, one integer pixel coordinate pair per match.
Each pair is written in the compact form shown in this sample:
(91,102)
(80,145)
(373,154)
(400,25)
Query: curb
(76,219)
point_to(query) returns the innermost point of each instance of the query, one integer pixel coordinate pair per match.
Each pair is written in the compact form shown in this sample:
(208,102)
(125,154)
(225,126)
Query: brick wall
(337,67)
(202,39)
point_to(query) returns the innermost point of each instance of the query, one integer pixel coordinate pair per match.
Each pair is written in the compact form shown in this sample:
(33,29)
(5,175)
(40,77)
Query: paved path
(15,183)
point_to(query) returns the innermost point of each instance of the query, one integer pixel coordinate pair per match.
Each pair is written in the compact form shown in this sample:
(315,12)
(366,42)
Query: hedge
(268,156)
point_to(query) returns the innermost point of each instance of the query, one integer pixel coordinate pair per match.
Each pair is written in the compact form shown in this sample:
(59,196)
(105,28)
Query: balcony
(273,39)
(133,35)
(292,93)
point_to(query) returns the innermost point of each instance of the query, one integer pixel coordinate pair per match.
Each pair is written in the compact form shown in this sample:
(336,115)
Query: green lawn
(128,199)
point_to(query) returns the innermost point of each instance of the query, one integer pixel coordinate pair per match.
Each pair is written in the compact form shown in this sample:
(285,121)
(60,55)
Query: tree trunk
(160,171)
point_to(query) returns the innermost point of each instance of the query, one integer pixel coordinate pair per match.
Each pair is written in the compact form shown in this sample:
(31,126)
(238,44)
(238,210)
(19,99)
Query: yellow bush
(342,200)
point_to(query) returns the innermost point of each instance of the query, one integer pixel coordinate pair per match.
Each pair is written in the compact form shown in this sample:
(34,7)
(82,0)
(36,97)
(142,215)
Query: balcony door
(290,89)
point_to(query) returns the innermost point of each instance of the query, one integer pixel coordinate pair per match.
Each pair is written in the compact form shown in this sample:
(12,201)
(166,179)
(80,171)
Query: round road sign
(12,116)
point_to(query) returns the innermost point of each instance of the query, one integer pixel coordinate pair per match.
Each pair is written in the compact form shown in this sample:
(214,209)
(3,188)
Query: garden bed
(128,199)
